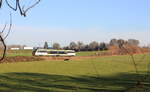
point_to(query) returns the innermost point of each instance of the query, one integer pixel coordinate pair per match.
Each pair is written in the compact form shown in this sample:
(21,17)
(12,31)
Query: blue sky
(63,21)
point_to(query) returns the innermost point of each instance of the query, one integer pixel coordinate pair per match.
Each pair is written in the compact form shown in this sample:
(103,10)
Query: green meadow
(29,53)
(101,74)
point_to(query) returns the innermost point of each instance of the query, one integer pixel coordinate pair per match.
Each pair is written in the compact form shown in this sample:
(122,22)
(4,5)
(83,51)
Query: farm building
(14,48)
(28,48)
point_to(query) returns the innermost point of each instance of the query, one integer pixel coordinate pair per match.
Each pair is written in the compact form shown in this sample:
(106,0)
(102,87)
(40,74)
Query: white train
(52,52)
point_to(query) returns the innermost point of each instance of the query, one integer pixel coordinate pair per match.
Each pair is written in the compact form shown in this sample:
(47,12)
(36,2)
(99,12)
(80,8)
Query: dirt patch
(21,59)
(42,58)
(69,58)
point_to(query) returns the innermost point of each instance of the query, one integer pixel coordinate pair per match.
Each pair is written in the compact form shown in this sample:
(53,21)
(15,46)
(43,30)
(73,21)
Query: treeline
(94,45)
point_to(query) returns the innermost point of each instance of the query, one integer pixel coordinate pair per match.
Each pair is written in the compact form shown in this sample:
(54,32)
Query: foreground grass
(107,74)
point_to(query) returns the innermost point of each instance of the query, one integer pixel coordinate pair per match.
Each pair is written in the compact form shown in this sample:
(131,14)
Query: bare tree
(2,37)
(56,46)
(103,46)
(73,46)
(94,45)
(113,42)
(133,42)
(22,11)
(80,45)
(18,6)
(45,45)
(140,79)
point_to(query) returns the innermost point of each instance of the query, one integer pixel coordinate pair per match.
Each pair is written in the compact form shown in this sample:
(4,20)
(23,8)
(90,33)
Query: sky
(63,21)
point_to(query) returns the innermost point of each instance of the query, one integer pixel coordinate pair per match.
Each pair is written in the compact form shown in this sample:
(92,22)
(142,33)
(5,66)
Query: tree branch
(21,8)
(3,39)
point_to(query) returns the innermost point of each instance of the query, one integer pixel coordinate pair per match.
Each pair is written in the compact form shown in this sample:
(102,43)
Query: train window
(61,52)
(53,52)
(42,51)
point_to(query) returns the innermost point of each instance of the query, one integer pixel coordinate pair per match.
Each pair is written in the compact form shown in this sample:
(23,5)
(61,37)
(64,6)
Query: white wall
(14,48)
(28,48)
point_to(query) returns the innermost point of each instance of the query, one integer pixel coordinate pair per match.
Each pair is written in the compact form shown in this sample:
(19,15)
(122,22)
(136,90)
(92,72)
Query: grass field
(29,53)
(19,53)
(105,74)
(88,53)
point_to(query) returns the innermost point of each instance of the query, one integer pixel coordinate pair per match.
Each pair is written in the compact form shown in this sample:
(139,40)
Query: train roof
(52,50)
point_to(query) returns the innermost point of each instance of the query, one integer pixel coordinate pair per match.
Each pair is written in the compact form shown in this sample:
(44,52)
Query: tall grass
(116,73)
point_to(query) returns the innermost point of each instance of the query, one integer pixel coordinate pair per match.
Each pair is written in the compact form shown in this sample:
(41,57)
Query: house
(14,48)
(28,48)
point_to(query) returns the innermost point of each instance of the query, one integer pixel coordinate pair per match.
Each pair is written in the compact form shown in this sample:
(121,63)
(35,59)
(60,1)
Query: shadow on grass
(36,82)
